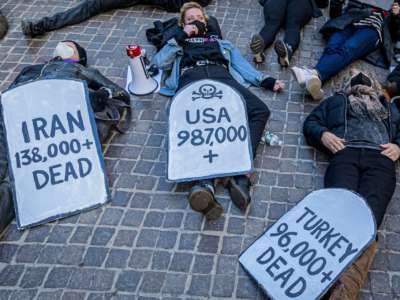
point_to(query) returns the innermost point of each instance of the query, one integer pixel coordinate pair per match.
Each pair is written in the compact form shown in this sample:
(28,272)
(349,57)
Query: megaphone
(142,83)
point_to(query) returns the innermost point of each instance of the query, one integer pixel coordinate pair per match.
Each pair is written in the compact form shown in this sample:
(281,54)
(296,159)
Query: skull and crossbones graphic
(207,91)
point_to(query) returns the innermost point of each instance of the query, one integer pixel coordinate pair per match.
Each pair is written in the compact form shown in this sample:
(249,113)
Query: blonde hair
(185,7)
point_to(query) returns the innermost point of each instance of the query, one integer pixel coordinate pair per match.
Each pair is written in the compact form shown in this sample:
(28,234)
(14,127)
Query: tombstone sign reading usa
(208,133)
(54,153)
(304,252)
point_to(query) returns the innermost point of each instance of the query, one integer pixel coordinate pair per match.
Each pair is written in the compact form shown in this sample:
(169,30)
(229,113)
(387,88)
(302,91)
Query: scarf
(364,101)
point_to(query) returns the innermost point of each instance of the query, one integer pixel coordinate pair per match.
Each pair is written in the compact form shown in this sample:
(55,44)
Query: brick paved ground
(148,244)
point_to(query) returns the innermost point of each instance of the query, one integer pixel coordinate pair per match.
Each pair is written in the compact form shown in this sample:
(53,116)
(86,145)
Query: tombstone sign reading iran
(55,157)
(304,252)
(208,133)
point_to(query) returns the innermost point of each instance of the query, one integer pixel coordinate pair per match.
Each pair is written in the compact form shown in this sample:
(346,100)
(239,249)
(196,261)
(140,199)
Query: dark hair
(81,52)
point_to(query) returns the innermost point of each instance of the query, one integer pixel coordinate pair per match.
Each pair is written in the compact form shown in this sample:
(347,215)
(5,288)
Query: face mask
(202,28)
(361,79)
(64,51)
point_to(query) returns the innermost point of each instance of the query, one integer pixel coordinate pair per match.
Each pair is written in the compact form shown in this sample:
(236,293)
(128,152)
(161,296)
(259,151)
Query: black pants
(367,172)
(257,112)
(89,8)
(292,15)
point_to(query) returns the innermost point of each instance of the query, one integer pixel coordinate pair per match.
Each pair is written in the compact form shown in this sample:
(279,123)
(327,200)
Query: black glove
(268,83)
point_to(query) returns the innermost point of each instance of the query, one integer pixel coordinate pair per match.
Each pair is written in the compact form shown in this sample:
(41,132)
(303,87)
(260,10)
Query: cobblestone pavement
(148,244)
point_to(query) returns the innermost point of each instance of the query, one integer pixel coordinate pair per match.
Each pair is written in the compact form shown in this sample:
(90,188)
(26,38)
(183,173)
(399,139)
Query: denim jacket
(169,58)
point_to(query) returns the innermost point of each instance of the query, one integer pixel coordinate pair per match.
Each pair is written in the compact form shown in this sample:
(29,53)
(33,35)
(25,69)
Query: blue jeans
(344,47)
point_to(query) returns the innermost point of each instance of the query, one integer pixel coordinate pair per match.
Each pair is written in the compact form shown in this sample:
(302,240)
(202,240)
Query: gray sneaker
(3,25)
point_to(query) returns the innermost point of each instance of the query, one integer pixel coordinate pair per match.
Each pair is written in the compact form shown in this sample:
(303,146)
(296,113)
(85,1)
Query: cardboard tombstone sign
(208,133)
(54,153)
(383,4)
(305,251)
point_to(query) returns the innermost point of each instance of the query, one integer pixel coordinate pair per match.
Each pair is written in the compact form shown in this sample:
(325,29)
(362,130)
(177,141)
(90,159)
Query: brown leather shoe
(349,284)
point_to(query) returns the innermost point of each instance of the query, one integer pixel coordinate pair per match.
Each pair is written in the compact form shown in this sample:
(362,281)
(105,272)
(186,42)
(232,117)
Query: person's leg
(377,182)
(343,170)
(257,114)
(201,196)
(274,15)
(299,13)
(343,49)
(79,13)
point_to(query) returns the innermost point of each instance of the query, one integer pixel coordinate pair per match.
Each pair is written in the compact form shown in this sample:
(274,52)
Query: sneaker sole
(238,198)
(314,88)
(200,200)
(281,51)
(257,47)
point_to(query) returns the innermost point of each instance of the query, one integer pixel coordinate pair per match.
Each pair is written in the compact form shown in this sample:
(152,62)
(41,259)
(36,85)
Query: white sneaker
(309,79)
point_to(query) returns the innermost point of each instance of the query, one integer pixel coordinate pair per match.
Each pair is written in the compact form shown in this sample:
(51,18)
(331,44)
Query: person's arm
(164,59)
(98,82)
(316,124)
(250,74)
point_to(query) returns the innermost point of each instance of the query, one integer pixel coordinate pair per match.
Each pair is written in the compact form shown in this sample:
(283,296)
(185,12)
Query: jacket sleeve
(316,124)
(244,68)
(96,81)
(164,59)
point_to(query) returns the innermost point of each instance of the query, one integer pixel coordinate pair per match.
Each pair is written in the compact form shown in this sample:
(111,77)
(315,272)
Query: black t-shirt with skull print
(202,48)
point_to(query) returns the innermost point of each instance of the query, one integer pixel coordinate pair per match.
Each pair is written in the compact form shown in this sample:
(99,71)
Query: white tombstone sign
(55,157)
(208,133)
(304,252)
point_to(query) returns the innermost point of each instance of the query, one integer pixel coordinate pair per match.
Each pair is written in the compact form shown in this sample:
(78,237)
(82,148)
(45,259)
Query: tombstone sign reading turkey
(208,133)
(306,250)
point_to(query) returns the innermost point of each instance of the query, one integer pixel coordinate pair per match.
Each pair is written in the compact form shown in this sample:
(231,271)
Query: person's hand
(191,29)
(278,86)
(332,142)
(391,150)
(395,8)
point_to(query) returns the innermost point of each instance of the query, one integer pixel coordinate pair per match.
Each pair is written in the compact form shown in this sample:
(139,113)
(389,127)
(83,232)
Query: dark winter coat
(331,115)
(354,12)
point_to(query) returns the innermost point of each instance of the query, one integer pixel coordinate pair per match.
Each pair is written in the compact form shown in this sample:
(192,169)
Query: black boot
(30,29)
(3,25)
(201,199)
(239,190)
(284,52)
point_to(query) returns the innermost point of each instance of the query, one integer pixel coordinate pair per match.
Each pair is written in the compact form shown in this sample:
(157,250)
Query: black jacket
(330,115)
(65,70)
(316,11)
(354,12)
